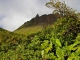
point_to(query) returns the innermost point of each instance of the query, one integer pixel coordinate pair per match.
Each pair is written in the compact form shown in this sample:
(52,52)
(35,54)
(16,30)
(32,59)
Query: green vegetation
(60,41)
(29,30)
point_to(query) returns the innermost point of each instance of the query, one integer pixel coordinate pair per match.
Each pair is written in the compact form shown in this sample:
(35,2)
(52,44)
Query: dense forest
(57,40)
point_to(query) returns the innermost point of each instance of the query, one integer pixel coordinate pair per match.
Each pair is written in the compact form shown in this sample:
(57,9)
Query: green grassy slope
(29,30)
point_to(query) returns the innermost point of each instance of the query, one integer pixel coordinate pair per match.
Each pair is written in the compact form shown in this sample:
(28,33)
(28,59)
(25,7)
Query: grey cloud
(75,4)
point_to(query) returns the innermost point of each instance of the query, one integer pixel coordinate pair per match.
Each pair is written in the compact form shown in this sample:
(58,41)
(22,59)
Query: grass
(29,30)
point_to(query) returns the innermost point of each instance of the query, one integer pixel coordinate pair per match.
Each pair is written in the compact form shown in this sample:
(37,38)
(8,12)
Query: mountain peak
(38,22)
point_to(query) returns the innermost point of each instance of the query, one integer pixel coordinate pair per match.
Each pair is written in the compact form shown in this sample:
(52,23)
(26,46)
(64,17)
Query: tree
(60,7)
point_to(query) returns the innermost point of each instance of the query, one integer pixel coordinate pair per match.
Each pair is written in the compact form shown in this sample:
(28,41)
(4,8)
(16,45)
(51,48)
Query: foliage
(67,28)
(60,7)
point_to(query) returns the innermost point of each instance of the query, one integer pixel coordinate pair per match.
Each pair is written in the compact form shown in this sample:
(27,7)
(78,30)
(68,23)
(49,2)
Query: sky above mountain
(13,13)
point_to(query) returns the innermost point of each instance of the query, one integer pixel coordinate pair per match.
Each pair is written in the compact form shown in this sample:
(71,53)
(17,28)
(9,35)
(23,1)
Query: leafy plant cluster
(57,43)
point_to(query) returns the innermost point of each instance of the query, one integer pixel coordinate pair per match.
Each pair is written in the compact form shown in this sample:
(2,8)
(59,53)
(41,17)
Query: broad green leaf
(42,53)
(60,53)
(72,46)
(69,58)
(44,44)
(58,42)
(49,48)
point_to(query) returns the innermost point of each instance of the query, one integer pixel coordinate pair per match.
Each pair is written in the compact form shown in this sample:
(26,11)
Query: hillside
(37,23)
(9,38)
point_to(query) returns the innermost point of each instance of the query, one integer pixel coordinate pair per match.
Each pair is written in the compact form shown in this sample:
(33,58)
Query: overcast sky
(13,13)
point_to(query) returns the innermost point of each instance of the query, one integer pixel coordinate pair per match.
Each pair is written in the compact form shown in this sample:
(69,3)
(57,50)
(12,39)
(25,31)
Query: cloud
(74,4)
(19,11)
(12,22)
(16,12)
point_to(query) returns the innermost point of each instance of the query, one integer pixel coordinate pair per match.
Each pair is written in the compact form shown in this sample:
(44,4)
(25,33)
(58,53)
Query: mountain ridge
(37,23)
(44,19)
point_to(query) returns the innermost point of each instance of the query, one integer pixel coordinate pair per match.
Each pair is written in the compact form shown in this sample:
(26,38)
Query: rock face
(43,20)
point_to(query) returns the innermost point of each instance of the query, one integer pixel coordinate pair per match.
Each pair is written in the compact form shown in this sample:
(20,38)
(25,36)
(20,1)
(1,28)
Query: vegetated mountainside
(37,23)
(60,42)
(9,39)
(2,33)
